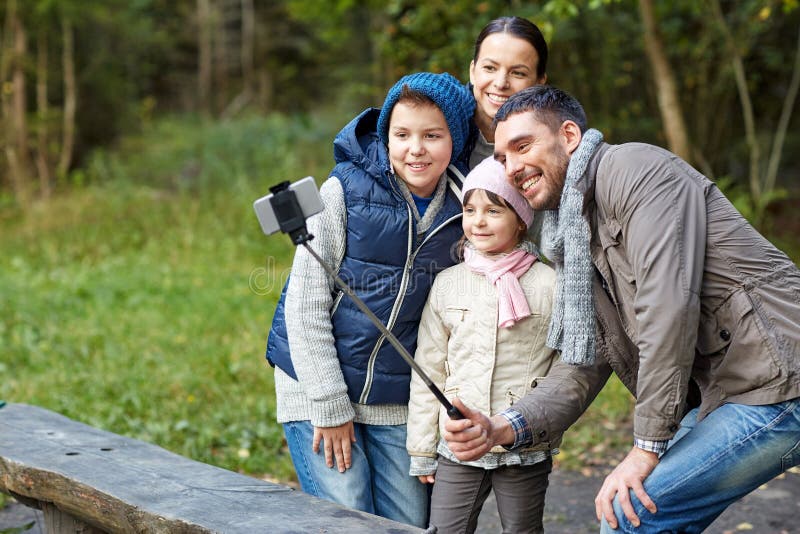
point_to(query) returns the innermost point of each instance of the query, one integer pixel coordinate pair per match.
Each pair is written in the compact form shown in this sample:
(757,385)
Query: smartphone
(307,196)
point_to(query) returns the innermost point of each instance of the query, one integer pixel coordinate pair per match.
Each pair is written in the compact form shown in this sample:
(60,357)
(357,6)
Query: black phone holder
(292,221)
(289,213)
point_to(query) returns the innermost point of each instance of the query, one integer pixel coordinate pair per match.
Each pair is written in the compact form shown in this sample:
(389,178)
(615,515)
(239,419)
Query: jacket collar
(586,184)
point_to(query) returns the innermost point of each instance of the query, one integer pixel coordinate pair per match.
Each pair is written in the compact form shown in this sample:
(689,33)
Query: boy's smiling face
(420,145)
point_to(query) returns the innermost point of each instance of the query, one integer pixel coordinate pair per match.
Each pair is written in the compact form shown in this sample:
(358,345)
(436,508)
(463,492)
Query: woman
(510,55)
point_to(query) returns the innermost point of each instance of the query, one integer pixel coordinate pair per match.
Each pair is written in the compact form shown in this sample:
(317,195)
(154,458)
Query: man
(663,282)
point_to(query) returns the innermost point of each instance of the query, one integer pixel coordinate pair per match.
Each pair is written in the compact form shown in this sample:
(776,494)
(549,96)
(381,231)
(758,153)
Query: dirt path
(772,509)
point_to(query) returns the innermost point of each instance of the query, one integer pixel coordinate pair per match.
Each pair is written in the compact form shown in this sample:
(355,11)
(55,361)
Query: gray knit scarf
(565,241)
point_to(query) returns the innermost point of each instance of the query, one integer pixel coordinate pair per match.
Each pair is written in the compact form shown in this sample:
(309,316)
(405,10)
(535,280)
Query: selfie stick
(292,221)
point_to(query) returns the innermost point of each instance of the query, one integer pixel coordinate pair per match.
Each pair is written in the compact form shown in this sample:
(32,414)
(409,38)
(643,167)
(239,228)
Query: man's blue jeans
(378,481)
(713,463)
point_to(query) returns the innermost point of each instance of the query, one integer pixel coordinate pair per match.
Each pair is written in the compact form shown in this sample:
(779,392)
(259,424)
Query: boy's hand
(427,479)
(336,443)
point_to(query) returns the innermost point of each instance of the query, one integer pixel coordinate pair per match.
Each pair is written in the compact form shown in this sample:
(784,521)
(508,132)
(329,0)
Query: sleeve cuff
(332,412)
(523,435)
(422,465)
(650,445)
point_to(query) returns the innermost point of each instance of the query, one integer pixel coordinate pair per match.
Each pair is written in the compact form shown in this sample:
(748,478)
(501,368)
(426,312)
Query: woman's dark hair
(520,28)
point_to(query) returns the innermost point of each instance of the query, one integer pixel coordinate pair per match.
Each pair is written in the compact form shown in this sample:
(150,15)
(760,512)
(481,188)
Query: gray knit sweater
(320,393)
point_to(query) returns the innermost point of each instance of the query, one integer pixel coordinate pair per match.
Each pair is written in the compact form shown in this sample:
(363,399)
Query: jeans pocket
(792,456)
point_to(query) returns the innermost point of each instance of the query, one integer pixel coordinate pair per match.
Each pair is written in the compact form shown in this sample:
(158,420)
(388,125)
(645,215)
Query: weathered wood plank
(120,484)
(56,521)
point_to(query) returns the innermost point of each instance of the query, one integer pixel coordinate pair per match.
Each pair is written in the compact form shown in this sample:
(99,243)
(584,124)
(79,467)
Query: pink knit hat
(490,175)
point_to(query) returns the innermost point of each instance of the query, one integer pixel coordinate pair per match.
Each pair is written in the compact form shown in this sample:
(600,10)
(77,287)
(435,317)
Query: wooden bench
(89,480)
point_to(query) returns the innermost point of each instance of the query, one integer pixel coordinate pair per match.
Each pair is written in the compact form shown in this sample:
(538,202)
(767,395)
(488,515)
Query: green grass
(143,308)
(145,325)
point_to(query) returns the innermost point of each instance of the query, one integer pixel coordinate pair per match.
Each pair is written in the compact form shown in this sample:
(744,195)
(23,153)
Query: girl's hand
(426,479)
(336,443)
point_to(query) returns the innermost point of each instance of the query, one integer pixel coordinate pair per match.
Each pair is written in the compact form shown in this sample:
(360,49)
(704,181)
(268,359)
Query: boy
(391,220)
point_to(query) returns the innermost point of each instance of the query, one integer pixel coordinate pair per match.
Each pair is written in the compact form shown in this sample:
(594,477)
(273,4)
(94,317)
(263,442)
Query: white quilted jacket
(466,355)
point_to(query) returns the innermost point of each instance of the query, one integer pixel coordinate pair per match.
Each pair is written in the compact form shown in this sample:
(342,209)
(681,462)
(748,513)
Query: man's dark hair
(550,105)
(521,29)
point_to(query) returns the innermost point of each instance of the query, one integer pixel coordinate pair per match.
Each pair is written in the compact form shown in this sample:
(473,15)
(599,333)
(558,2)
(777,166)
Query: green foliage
(195,154)
(613,81)
(140,305)
(18,530)
(743,201)
(136,60)
(603,434)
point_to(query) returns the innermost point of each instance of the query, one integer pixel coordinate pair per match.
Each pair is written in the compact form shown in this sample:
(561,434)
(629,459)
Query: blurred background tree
(715,81)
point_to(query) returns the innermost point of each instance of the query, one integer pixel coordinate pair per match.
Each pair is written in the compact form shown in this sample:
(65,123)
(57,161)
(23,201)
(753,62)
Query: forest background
(135,287)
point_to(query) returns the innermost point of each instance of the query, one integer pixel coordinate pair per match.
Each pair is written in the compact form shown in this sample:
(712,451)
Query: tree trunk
(246,57)
(248,45)
(747,107)
(666,88)
(783,123)
(70,98)
(204,55)
(265,89)
(5,102)
(220,53)
(42,165)
(20,100)
(15,105)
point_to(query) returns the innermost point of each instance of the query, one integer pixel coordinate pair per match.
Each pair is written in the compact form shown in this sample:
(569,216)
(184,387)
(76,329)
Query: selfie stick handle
(452,411)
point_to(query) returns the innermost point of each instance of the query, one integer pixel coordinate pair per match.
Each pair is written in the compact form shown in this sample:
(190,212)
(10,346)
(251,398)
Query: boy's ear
(571,133)
(471,70)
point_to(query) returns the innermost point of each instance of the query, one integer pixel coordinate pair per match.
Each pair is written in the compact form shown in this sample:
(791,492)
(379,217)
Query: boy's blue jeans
(378,481)
(713,463)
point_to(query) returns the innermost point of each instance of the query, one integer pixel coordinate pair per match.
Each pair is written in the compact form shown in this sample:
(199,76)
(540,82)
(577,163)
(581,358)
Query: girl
(390,224)
(482,338)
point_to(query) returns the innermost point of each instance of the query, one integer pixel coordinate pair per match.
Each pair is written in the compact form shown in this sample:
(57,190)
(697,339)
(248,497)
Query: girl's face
(504,66)
(420,146)
(491,228)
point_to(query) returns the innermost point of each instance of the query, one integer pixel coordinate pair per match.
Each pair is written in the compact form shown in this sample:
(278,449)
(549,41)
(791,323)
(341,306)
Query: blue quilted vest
(388,270)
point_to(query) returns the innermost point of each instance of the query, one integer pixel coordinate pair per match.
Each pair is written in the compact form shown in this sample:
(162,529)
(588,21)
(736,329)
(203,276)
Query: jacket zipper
(336,302)
(398,303)
(393,316)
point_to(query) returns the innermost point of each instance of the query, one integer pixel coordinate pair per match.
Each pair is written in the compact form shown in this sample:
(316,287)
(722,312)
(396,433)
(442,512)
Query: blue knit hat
(450,95)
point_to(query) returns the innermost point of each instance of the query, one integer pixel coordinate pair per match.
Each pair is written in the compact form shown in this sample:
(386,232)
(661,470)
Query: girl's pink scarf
(504,272)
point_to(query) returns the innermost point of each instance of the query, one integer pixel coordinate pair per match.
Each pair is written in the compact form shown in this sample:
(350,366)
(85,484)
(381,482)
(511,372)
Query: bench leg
(59,522)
